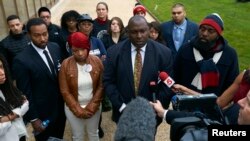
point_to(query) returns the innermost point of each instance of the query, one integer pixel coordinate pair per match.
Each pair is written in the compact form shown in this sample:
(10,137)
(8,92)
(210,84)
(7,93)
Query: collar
(133,48)
(39,49)
(181,26)
(100,21)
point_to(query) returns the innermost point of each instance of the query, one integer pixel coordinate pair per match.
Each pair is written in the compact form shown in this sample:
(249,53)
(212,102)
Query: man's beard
(204,46)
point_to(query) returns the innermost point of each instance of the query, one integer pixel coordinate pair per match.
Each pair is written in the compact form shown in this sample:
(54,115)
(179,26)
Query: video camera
(204,103)
(205,112)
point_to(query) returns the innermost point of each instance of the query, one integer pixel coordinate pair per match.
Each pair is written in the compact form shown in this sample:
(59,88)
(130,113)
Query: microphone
(166,79)
(153,88)
(137,122)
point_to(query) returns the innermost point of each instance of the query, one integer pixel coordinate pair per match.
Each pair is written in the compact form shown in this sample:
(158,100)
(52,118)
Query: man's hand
(158,108)
(37,125)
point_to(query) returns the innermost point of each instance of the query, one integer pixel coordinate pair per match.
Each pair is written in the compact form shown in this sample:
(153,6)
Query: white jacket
(8,132)
(16,124)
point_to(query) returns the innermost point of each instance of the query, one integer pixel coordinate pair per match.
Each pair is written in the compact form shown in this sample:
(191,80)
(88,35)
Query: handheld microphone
(153,88)
(166,79)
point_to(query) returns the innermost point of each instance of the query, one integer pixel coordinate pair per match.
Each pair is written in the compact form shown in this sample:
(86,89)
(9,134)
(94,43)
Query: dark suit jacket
(118,74)
(167,34)
(35,80)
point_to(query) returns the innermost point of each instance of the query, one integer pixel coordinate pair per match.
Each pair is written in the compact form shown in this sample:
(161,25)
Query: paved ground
(122,9)
(119,8)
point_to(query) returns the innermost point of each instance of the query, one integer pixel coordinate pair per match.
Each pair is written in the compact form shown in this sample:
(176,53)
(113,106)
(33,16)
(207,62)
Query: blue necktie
(177,38)
(177,34)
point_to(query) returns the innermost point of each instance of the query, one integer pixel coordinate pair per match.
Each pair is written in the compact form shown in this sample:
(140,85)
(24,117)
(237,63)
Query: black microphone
(137,122)
(153,88)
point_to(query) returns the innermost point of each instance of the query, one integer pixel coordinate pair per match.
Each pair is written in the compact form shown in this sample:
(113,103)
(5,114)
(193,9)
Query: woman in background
(69,26)
(100,24)
(115,34)
(155,32)
(13,105)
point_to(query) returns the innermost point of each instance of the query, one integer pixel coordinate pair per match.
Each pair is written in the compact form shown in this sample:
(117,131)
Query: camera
(205,111)
(202,103)
(188,129)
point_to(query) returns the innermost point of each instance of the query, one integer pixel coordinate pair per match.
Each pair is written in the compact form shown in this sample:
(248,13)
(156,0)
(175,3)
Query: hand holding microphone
(176,88)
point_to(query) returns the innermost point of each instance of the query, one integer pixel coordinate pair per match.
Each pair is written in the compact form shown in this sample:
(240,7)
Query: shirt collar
(181,26)
(39,49)
(133,48)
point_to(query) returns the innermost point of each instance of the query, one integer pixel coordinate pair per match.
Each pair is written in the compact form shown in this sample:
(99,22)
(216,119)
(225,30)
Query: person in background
(53,29)
(237,90)
(156,32)
(179,30)
(85,25)
(228,101)
(80,80)
(244,118)
(115,34)
(16,41)
(69,26)
(13,106)
(100,24)
(206,57)
(139,10)
(132,64)
(35,70)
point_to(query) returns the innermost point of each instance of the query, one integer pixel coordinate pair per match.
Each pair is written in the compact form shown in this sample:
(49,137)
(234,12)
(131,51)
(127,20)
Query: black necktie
(51,65)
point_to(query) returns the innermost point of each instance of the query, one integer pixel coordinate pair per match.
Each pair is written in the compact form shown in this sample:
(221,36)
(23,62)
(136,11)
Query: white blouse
(85,85)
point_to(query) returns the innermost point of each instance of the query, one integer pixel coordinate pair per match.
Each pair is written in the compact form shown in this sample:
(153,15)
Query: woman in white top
(80,80)
(13,105)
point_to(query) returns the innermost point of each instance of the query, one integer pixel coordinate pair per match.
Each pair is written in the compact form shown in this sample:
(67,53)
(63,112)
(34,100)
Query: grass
(235,15)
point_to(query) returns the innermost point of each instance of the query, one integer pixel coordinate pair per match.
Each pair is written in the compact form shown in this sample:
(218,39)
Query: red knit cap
(215,21)
(79,40)
(139,8)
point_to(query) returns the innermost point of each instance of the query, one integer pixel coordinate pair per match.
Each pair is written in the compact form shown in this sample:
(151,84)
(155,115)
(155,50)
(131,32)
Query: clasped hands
(83,112)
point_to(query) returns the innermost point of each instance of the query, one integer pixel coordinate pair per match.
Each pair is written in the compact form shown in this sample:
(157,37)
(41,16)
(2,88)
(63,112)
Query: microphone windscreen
(163,76)
(137,122)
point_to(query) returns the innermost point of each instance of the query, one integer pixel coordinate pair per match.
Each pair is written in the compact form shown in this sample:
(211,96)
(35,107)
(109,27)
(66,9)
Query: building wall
(25,9)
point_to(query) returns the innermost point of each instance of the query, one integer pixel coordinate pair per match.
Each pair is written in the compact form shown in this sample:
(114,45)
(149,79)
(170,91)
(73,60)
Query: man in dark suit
(179,30)
(119,82)
(36,77)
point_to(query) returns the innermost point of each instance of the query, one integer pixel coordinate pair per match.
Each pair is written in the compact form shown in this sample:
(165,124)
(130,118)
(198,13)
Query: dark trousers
(55,129)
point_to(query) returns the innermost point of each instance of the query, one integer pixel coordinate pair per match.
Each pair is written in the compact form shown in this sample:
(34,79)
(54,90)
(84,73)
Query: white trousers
(79,126)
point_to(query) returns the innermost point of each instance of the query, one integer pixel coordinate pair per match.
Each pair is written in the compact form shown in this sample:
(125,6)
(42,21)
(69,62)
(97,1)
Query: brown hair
(120,23)
(103,3)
